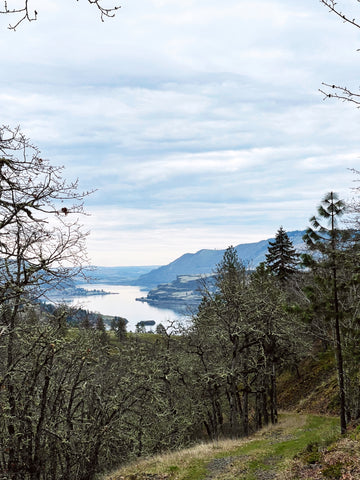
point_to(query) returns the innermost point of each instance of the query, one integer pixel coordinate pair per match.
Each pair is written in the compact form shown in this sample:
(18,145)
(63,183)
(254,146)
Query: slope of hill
(306,443)
(204,261)
(266,455)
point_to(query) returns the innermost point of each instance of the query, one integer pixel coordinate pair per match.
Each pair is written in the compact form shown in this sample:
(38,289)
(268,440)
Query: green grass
(280,445)
(273,448)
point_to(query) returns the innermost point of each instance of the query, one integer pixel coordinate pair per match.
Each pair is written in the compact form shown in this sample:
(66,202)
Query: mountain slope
(205,261)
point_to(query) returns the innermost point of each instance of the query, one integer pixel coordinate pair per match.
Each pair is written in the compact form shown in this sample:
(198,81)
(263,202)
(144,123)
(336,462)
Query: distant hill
(205,261)
(115,275)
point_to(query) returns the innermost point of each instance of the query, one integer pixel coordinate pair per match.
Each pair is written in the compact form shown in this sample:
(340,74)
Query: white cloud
(200,124)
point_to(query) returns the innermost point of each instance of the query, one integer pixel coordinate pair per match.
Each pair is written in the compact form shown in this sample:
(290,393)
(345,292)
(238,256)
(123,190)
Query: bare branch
(24,13)
(331,4)
(336,91)
(341,93)
(105,12)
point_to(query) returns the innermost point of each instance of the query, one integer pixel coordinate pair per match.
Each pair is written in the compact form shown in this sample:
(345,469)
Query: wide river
(123,304)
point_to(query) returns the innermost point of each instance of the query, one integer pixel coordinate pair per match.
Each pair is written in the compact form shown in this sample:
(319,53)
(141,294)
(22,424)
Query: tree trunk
(273,396)
(338,345)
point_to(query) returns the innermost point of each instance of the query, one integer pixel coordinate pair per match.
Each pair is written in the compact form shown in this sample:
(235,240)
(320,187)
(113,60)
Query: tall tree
(326,243)
(282,339)
(222,340)
(282,258)
(241,336)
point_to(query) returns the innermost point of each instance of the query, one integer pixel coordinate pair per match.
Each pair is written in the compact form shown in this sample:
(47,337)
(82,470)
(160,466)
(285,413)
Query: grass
(315,390)
(271,449)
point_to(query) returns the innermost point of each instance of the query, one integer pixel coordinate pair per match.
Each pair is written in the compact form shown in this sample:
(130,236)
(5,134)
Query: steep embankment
(312,387)
(292,449)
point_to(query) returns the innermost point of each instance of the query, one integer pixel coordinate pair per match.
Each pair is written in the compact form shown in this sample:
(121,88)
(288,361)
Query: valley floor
(300,446)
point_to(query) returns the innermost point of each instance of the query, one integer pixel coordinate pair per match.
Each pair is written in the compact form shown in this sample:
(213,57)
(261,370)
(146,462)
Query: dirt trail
(237,466)
(263,456)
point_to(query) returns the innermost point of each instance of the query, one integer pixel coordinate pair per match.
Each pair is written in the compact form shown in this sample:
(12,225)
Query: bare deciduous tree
(41,245)
(41,240)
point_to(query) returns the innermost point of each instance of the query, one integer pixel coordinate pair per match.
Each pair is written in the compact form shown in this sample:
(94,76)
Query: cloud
(198,125)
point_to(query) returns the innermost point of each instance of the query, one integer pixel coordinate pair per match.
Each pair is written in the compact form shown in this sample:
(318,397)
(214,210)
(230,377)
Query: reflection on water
(123,304)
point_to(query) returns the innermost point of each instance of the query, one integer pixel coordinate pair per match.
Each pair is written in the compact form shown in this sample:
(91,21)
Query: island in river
(182,295)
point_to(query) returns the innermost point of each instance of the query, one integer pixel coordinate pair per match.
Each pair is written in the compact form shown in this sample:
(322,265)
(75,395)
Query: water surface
(123,304)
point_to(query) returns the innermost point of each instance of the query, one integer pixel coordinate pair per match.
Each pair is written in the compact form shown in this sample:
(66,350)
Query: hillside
(312,387)
(290,450)
(304,445)
(204,261)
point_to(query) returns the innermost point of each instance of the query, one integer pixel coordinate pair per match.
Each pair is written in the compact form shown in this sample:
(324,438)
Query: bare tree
(23,12)
(41,240)
(332,90)
(41,245)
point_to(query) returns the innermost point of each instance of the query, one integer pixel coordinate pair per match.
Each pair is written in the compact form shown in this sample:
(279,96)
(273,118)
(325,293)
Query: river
(123,304)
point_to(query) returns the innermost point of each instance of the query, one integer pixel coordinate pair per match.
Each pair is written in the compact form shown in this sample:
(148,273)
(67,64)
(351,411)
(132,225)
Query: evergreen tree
(100,325)
(101,329)
(328,246)
(282,258)
(118,326)
(85,322)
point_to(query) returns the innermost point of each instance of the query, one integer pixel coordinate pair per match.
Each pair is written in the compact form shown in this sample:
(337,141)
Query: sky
(199,124)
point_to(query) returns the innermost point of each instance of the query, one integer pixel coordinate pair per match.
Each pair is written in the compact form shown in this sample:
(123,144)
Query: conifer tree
(118,326)
(282,258)
(327,242)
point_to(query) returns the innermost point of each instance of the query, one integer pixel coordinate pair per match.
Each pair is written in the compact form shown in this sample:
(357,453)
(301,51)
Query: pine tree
(118,325)
(327,243)
(282,258)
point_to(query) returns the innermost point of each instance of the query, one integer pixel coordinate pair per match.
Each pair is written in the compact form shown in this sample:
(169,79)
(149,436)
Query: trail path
(263,456)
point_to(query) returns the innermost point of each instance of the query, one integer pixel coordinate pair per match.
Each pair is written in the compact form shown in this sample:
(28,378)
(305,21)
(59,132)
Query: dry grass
(185,458)
(265,454)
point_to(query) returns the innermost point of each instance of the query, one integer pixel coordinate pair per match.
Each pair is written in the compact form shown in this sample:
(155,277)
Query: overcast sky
(199,122)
